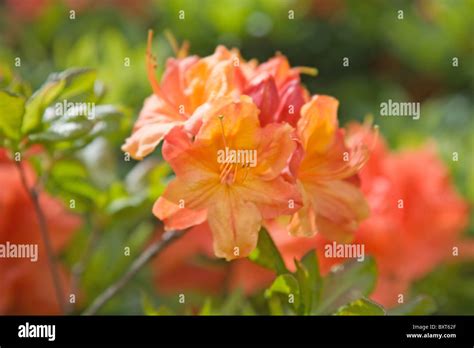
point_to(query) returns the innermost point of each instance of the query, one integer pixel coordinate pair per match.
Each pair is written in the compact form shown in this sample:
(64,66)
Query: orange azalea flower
(325,169)
(26,286)
(191,84)
(187,84)
(234,196)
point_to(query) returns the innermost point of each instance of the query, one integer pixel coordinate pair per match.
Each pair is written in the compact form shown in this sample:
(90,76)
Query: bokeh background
(409,59)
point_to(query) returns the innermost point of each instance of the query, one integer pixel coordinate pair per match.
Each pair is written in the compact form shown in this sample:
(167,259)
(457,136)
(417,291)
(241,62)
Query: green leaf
(275,307)
(149,308)
(73,129)
(420,305)
(38,102)
(156,179)
(287,285)
(69,179)
(361,306)
(267,255)
(125,204)
(63,130)
(207,308)
(80,187)
(69,169)
(346,283)
(12,108)
(233,303)
(309,280)
(66,84)
(106,112)
(78,81)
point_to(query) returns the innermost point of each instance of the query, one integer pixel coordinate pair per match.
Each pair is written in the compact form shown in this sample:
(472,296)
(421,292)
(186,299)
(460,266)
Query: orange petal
(196,195)
(154,122)
(190,161)
(273,198)
(318,123)
(175,217)
(275,149)
(338,162)
(173,83)
(220,82)
(339,207)
(279,68)
(239,125)
(264,94)
(292,98)
(235,225)
(303,222)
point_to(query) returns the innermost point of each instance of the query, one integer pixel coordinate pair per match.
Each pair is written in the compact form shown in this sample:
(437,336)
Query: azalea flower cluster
(304,168)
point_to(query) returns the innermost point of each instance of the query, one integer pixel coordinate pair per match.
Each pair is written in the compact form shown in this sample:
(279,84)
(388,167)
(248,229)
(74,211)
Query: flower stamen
(151,64)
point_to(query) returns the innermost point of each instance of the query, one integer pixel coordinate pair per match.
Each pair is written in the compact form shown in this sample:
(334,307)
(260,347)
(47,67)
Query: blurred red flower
(26,286)
(409,242)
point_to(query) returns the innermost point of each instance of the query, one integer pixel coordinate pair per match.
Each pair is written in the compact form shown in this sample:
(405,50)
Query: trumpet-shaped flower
(188,83)
(325,169)
(230,175)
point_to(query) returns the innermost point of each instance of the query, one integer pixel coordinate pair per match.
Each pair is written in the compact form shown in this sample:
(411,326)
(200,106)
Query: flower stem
(34,196)
(147,255)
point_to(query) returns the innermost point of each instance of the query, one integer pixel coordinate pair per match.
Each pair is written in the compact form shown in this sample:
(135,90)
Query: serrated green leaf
(421,305)
(362,306)
(267,255)
(346,283)
(12,108)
